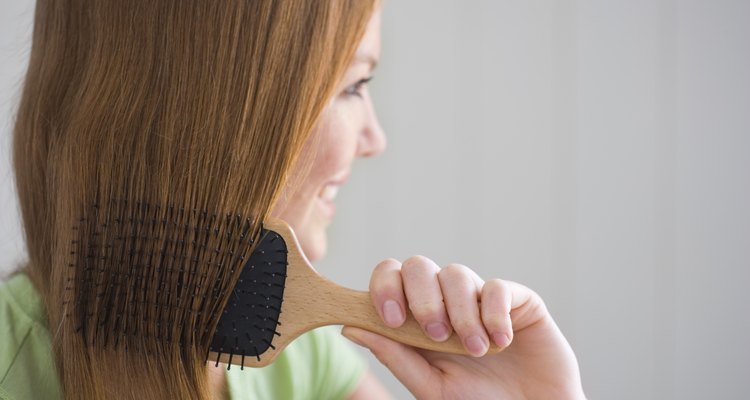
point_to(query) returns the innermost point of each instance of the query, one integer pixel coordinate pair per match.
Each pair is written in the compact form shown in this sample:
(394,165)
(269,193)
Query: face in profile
(347,129)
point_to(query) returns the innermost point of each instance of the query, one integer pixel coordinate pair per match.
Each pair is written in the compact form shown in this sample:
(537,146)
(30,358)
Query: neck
(217,381)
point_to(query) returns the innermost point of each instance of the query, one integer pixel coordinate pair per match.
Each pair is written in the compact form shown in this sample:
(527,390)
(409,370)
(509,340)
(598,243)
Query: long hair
(192,104)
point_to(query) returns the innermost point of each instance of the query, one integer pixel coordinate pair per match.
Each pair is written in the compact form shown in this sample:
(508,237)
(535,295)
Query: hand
(538,362)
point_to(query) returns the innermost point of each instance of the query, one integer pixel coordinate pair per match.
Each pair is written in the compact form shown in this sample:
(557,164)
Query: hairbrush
(135,272)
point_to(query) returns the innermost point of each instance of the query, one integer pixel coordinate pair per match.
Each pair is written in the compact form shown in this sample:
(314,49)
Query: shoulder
(26,363)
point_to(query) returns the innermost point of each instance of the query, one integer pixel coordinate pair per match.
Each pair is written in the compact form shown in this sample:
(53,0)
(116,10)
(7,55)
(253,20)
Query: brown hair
(200,105)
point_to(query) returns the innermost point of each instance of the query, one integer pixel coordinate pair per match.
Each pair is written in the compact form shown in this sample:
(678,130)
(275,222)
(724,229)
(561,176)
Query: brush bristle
(142,274)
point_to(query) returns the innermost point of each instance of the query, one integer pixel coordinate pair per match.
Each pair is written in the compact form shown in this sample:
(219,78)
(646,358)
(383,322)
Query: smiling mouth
(325,200)
(329,192)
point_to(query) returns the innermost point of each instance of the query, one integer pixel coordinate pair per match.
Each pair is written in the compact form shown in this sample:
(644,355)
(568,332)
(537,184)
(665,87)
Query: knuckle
(453,270)
(387,265)
(495,287)
(494,321)
(417,262)
(382,284)
(387,288)
(464,325)
(496,282)
(427,309)
(385,278)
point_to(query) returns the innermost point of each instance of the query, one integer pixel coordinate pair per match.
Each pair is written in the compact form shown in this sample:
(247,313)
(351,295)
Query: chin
(314,245)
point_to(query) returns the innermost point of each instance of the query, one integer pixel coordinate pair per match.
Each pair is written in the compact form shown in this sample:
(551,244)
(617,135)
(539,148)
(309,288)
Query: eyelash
(356,89)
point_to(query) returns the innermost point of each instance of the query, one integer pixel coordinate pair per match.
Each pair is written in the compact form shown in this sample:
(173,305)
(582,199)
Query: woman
(256,107)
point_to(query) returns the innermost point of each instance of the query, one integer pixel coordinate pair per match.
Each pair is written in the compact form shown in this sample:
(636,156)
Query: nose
(372,139)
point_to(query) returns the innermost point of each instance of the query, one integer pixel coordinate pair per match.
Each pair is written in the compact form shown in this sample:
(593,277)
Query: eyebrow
(366,58)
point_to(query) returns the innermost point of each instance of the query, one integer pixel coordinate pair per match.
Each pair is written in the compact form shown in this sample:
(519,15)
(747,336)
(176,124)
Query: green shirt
(318,365)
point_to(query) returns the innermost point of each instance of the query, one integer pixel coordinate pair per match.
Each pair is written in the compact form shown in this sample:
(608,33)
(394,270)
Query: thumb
(406,364)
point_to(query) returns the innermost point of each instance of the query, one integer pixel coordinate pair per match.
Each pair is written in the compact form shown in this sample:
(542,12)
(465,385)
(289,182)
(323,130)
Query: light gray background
(596,151)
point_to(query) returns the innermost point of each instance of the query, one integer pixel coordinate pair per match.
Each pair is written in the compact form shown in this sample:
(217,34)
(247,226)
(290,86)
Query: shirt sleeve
(27,369)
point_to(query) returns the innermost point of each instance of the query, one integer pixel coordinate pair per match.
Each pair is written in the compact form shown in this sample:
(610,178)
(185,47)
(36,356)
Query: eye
(356,89)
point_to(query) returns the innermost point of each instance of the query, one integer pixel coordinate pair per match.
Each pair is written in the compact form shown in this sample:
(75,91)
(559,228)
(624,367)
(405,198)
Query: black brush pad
(248,324)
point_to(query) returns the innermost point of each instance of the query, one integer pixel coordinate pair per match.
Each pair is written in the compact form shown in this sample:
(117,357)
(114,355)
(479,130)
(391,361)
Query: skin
(347,129)
(538,361)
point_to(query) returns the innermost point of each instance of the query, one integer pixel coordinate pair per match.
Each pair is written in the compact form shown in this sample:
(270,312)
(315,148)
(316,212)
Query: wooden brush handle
(355,308)
(311,300)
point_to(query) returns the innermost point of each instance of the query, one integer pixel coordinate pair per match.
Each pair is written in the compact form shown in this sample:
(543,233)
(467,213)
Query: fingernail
(476,345)
(437,331)
(501,339)
(392,313)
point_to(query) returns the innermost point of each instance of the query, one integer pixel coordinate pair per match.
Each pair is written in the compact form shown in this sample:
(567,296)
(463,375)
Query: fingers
(422,288)
(444,300)
(407,365)
(461,291)
(387,292)
(497,299)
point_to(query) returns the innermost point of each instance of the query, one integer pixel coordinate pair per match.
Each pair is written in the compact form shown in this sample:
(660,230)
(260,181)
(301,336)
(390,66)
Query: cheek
(328,153)
(338,144)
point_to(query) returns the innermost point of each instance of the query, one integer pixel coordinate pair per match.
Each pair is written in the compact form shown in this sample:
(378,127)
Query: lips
(329,192)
